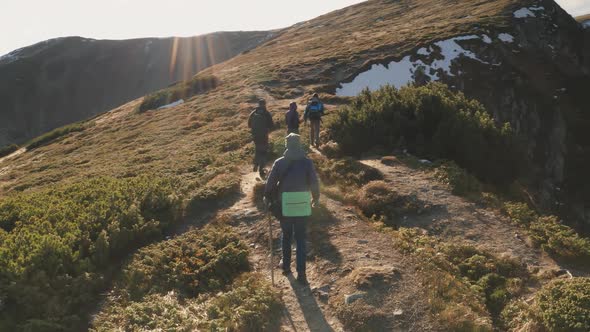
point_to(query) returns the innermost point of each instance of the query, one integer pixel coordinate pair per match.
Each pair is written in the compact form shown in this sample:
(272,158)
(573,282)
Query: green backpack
(296,204)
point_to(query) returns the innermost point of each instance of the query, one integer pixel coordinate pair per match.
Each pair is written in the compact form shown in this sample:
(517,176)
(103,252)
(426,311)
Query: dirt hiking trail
(344,253)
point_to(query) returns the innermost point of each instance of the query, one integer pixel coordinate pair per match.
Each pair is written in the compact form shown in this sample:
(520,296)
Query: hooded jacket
(301,174)
(292,119)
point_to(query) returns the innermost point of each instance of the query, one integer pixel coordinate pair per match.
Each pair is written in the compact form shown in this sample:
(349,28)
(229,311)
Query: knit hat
(294,149)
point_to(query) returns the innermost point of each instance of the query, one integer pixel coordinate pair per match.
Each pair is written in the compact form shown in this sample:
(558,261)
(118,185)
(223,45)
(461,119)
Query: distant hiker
(292,119)
(260,123)
(314,112)
(292,190)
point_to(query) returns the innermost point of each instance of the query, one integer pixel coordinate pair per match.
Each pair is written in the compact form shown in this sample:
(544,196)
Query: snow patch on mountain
(523,13)
(506,37)
(423,51)
(402,72)
(174,104)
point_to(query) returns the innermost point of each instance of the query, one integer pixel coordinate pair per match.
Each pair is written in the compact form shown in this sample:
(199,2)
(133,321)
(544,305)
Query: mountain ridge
(55,82)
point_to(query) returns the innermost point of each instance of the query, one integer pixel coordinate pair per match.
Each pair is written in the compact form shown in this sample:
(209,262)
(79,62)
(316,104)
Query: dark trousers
(314,131)
(261,146)
(289,227)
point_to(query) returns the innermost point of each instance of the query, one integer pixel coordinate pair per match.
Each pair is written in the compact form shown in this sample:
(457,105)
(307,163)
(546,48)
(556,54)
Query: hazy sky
(24,22)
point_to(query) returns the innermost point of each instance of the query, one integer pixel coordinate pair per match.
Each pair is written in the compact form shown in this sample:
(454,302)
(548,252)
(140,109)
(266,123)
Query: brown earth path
(340,244)
(453,218)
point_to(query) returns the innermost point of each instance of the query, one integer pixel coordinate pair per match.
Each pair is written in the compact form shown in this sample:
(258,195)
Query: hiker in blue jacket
(314,112)
(292,119)
(294,179)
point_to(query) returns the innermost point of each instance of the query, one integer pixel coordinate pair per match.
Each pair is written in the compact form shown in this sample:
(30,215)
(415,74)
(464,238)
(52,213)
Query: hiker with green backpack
(260,124)
(291,191)
(314,112)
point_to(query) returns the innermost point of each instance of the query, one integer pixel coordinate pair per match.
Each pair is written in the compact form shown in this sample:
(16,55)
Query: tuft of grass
(345,173)
(55,134)
(378,199)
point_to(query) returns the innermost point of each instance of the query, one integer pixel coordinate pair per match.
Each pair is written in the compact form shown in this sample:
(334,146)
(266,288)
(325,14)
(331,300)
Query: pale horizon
(130,19)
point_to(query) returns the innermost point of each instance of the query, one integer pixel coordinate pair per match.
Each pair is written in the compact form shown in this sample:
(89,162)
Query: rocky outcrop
(64,80)
(534,73)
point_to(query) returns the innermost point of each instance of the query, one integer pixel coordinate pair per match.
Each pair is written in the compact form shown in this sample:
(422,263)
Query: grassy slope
(207,134)
(583,18)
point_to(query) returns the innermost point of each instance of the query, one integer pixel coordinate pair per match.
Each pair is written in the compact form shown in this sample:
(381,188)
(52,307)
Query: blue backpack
(316,110)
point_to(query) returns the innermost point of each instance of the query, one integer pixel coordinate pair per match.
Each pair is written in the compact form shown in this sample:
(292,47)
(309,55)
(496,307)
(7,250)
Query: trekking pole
(272,267)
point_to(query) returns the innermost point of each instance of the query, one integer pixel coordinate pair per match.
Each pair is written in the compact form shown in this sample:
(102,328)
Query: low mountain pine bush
(433,122)
(56,244)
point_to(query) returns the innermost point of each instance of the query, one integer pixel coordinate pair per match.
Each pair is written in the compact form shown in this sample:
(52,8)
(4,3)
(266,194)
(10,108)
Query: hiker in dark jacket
(314,112)
(260,124)
(292,119)
(294,175)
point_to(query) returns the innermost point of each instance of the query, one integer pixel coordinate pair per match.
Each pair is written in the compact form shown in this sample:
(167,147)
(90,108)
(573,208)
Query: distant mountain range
(64,80)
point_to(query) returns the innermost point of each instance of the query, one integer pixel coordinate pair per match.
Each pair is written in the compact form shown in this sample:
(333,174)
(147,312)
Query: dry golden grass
(207,135)
(583,18)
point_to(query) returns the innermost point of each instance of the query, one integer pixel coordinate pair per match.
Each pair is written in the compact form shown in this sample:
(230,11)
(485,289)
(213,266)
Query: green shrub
(461,182)
(564,305)
(57,243)
(550,234)
(498,279)
(457,304)
(194,263)
(559,239)
(433,122)
(8,149)
(520,213)
(184,90)
(250,305)
(55,134)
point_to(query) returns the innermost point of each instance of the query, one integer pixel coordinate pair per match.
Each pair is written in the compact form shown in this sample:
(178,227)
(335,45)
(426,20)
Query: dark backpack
(259,124)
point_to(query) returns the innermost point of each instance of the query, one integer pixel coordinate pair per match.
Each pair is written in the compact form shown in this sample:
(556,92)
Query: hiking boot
(302,279)
(262,173)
